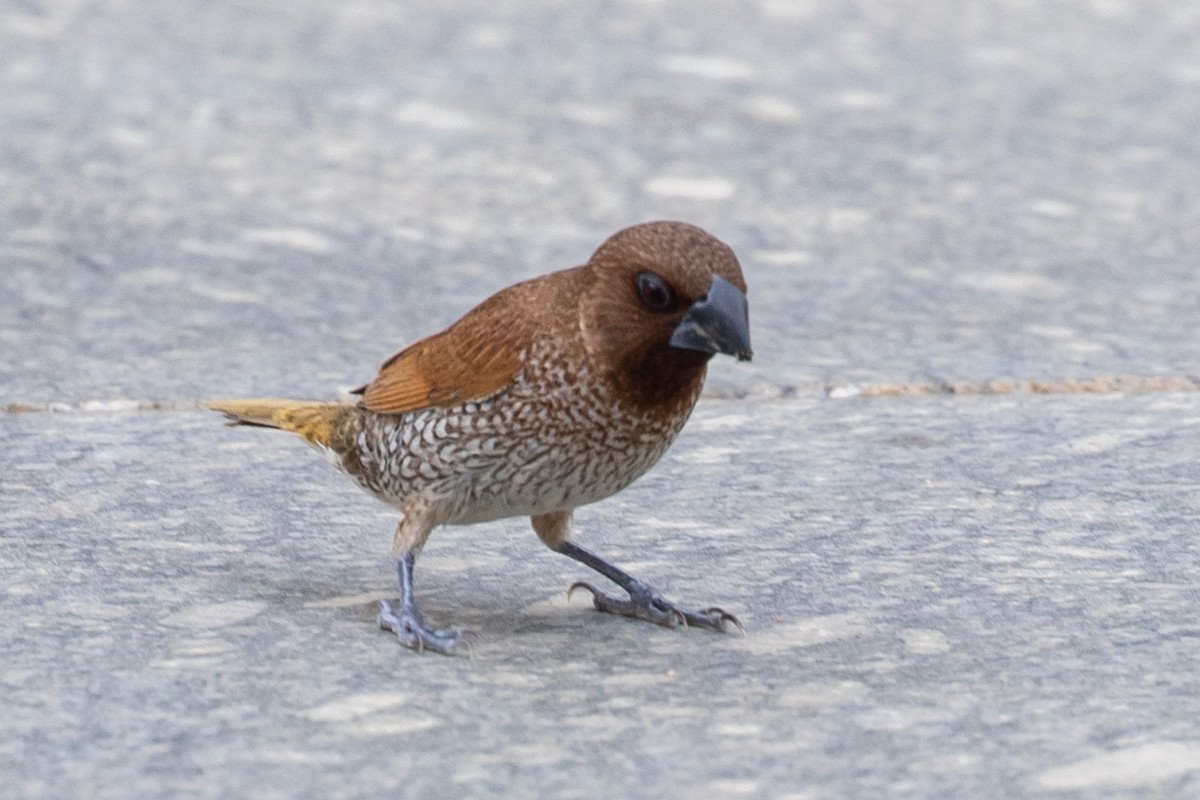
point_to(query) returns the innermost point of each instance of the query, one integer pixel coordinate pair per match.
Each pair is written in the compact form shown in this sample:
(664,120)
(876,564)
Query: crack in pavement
(1099,384)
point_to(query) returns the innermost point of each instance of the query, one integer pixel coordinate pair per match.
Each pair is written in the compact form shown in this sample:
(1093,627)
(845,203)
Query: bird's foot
(645,602)
(410,628)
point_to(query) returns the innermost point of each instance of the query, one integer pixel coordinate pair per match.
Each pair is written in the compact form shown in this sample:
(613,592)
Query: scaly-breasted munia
(551,394)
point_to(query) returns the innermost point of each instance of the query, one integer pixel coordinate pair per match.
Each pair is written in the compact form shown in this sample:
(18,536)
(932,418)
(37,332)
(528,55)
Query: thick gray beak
(720,323)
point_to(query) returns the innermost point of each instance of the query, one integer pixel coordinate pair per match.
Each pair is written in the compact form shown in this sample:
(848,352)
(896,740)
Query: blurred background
(202,198)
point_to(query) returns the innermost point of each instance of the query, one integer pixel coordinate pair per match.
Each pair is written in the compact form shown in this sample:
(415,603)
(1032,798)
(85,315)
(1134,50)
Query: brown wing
(442,370)
(476,356)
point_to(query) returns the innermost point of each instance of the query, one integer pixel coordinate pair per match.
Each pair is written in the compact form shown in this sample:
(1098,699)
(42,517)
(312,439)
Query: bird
(551,394)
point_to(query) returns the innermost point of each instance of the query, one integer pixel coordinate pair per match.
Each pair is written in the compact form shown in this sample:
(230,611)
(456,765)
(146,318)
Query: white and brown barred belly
(553,440)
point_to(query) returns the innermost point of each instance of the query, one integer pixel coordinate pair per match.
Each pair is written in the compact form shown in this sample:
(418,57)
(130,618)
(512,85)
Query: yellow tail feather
(316,422)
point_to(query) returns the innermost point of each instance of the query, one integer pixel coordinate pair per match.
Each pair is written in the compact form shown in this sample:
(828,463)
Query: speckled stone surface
(266,197)
(967,597)
(991,597)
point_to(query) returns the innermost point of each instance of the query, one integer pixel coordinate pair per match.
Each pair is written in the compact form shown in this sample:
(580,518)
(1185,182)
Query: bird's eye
(654,292)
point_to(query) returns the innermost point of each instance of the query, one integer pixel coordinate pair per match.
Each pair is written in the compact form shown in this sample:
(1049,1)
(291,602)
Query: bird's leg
(409,624)
(644,601)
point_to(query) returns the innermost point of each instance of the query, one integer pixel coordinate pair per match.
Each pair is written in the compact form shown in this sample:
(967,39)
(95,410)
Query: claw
(411,631)
(581,585)
(718,617)
(727,617)
(646,603)
(679,614)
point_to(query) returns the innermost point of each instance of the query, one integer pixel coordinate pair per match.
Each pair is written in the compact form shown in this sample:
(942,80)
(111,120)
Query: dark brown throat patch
(665,378)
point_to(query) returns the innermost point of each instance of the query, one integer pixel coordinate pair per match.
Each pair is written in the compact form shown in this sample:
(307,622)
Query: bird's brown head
(664,297)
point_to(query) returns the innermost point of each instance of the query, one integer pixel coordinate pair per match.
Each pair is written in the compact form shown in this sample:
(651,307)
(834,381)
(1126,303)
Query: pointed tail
(316,422)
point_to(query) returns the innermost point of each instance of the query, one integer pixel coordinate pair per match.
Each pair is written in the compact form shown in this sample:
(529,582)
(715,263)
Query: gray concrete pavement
(944,596)
(919,190)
